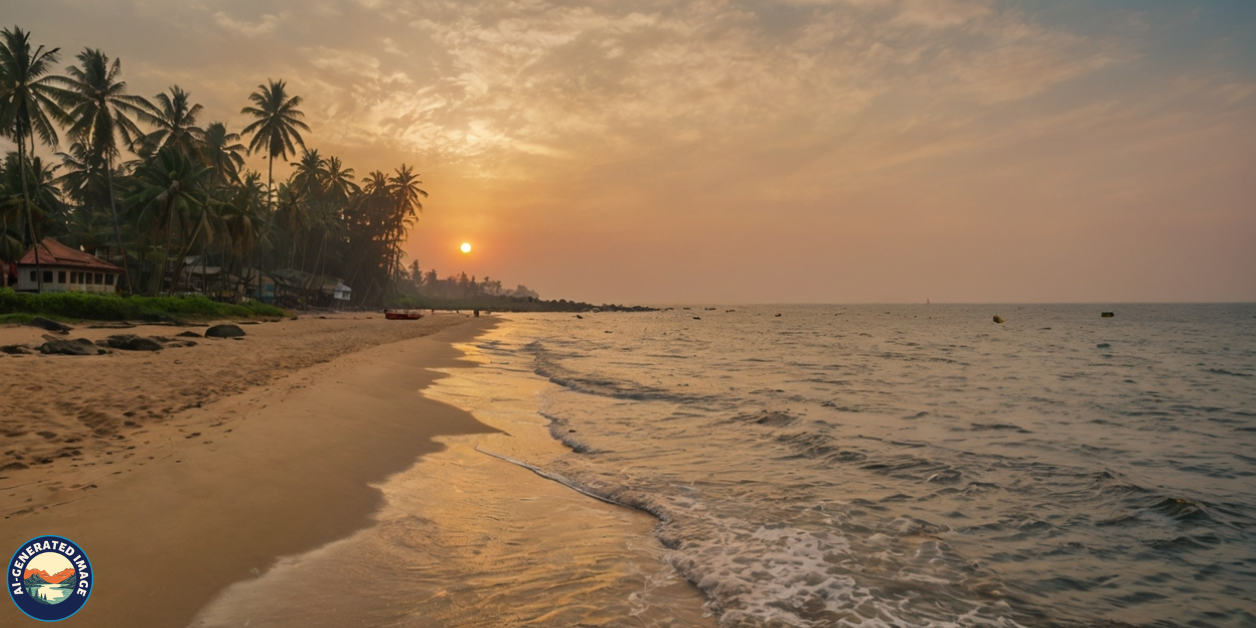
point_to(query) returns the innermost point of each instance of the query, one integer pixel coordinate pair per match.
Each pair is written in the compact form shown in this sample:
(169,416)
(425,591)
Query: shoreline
(466,538)
(273,460)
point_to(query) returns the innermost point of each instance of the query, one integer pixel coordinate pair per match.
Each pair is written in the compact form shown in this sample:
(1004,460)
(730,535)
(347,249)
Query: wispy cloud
(757,135)
(248,29)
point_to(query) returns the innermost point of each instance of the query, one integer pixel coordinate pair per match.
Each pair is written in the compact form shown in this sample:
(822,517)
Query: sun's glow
(466,247)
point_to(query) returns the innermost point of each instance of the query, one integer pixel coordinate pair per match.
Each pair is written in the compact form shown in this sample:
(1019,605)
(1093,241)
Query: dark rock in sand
(188,334)
(224,331)
(131,342)
(57,346)
(247,323)
(111,326)
(49,325)
(16,349)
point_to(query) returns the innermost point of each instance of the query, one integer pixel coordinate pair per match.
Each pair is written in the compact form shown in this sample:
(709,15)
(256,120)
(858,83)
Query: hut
(65,270)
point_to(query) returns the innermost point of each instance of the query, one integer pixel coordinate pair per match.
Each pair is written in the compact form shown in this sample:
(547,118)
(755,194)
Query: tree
(221,152)
(99,114)
(276,128)
(174,117)
(170,191)
(309,174)
(340,185)
(28,107)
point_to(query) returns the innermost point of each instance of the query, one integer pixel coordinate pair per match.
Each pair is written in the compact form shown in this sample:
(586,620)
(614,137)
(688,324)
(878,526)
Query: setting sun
(466,247)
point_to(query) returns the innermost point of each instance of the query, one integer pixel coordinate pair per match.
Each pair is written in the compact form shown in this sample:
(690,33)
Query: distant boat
(402,315)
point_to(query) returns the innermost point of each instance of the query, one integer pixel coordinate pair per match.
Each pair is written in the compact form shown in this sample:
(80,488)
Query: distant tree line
(147,180)
(416,282)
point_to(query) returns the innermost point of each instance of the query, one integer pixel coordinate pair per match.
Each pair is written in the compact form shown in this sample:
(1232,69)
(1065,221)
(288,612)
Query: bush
(102,307)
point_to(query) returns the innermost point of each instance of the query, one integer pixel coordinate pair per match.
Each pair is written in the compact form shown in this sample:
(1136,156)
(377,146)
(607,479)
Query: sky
(741,151)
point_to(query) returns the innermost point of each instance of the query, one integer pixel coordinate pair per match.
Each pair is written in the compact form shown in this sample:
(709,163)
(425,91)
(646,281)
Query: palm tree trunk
(30,216)
(270,183)
(117,227)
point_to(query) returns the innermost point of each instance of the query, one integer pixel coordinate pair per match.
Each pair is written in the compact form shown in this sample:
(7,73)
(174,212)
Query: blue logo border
(90,571)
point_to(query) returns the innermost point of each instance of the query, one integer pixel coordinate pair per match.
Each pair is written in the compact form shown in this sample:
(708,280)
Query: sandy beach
(184,470)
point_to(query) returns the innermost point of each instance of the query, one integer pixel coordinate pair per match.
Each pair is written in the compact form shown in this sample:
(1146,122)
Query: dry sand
(182,471)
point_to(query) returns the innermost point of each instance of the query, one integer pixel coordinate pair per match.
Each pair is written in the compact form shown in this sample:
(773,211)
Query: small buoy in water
(997,319)
(1107,315)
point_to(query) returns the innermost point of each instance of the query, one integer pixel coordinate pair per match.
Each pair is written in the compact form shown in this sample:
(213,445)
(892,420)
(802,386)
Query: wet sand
(182,471)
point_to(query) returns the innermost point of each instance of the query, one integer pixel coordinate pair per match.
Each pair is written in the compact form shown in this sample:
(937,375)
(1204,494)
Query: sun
(466,247)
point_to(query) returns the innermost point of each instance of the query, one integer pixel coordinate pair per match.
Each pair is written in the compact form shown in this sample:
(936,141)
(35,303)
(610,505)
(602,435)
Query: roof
(53,253)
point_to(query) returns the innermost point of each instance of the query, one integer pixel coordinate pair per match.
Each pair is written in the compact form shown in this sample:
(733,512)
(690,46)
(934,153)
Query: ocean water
(828,466)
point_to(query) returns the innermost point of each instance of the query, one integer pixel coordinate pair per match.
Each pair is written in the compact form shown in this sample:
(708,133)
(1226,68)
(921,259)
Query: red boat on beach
(402,315)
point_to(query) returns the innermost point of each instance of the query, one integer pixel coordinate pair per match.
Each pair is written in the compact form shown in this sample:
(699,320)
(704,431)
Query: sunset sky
(758,151)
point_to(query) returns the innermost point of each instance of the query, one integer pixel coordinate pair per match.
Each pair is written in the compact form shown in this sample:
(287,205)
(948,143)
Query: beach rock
(188,334)
(16,349)
(49,325)
(224,331)
(131,342)
(57,346)
(1107,314)
(998,319)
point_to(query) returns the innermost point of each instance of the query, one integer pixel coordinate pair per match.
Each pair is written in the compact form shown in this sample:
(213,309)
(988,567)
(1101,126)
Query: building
(66,270)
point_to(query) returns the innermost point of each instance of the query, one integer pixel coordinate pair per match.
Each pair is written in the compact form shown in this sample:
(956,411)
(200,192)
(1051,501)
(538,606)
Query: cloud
(247,29)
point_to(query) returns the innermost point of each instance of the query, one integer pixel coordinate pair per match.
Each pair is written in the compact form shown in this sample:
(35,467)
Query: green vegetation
(20,307)
(142,181)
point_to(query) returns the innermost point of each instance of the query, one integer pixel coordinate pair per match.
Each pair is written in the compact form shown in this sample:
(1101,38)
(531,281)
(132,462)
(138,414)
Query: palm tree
(28,107)
(292,215)
(405,190)
(241,214)
(309,174)
(174,117)
(340,185)
(45,204)
(275,130)
(100,111)
(170,191)
(221,152)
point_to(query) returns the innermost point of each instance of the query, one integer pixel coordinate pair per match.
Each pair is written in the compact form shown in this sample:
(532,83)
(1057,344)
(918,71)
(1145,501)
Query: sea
(825,465)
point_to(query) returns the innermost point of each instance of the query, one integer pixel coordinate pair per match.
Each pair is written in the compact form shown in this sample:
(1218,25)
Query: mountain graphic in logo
(49,578)
(49,588)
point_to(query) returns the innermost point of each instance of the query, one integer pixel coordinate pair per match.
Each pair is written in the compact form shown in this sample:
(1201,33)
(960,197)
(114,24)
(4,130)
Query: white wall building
(66,270)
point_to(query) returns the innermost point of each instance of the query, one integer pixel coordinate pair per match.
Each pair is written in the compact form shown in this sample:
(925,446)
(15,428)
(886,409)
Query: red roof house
(65,270)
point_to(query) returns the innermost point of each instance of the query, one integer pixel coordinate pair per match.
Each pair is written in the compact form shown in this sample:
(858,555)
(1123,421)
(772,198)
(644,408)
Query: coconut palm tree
(309,174)
(277,125)
(170,194)
(46,209)
(28,107)
(340,185)
(242,216)
(292,215)
(221,151)
(100,113)
(405,191)
(174,116)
